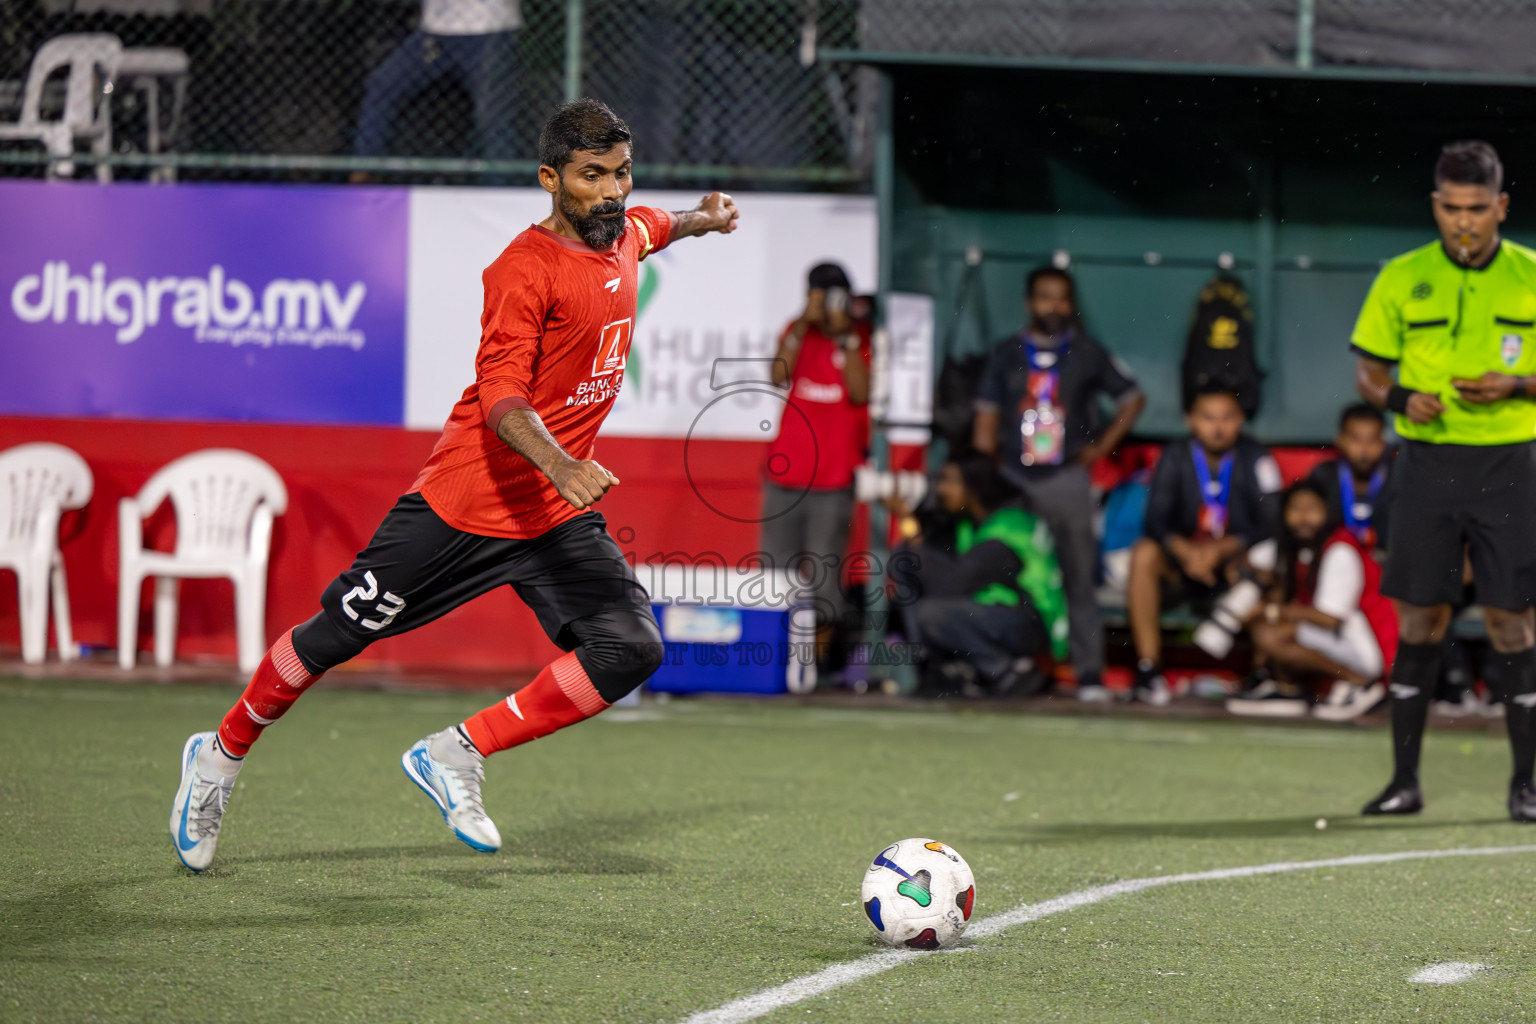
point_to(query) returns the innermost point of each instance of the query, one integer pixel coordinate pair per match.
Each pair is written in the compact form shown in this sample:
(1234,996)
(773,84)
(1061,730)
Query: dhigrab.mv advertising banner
(198,302)
(362,305)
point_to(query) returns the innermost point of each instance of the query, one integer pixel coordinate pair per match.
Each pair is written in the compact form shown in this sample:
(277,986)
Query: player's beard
(600,226)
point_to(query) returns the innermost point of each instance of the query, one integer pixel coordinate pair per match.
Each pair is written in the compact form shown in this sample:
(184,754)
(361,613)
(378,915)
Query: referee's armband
(1397,399)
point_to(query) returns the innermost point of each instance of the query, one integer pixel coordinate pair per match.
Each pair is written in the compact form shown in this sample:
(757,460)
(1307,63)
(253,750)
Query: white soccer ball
(919,893)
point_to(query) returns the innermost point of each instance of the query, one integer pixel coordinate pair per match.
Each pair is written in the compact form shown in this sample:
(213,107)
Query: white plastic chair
(37,483)
(225,503)
(92,59)
(144,67)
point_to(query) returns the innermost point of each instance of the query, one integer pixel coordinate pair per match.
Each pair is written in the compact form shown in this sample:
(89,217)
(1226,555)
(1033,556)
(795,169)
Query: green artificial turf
(666,860)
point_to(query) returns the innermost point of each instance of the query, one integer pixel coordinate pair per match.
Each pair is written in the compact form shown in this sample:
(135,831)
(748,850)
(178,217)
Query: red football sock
(559,696)
(279,680)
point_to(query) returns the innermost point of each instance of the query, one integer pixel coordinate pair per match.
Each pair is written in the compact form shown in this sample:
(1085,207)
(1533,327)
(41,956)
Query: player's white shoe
(450,770)
(198,810)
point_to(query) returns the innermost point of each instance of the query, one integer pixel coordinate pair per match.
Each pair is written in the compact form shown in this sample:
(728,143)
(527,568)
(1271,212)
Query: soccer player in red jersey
(505,498)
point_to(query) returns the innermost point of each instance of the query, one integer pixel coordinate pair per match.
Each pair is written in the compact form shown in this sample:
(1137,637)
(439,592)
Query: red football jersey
(823,435)
(554,337)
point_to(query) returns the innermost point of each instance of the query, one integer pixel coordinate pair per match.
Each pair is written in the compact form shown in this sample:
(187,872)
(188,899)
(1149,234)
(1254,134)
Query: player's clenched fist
(582,482)
(719,210)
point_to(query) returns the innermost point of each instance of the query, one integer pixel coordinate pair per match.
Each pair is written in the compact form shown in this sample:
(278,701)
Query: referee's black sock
(1512,679)
(1414,675)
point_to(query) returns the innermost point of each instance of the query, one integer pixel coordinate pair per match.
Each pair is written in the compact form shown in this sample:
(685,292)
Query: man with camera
(823,360)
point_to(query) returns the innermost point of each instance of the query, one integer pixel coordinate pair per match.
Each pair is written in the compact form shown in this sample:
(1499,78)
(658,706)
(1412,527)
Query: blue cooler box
(730,632)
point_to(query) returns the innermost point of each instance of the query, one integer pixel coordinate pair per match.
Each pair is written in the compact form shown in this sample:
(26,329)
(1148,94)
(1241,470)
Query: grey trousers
(1063,500)
(990,637)
(809,532)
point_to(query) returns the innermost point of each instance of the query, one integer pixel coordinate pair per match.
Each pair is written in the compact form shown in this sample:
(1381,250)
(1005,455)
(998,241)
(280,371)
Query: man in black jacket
(1214,495)
(1039,413)
(1358,482)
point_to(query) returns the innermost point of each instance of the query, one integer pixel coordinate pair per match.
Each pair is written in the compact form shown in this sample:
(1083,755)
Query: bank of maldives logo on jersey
(607,365)
(1510,349)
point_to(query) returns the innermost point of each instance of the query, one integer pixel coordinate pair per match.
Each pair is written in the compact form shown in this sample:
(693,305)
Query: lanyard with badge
(1358,513)
(1215,494)
(1043,425)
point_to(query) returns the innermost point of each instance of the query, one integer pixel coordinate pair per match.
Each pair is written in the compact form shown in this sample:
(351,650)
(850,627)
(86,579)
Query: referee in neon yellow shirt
(1458,320)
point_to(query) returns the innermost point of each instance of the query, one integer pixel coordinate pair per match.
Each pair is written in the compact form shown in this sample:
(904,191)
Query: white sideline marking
(1452,973)
(765,1002)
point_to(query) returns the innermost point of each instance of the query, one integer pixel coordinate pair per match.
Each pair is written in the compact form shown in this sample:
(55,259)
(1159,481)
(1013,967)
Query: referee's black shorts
(418,568)
(1453,499)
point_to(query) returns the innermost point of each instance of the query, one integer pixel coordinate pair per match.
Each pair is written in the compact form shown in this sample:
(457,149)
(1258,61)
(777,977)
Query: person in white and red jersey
(823,359)
(1324,613)
(506,499)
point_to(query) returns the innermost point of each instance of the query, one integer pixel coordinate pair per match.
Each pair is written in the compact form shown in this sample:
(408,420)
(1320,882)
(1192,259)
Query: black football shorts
(418,568)
(1455,500)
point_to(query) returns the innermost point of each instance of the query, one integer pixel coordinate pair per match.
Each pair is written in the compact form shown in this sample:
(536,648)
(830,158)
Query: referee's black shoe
(1402,799)
(1522,802)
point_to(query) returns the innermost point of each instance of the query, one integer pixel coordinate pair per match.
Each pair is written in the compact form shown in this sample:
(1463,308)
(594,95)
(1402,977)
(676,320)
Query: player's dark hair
(1472,162)
(982,478)
(1361,411)
(828,275)
(1289,548)
(1039,274)
(584,124)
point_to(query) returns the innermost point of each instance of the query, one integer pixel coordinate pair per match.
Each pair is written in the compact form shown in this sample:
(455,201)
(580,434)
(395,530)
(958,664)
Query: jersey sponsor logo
(1511,347)
(219,308)
(388,606)
(612,347)
(613,286)
(599,390)
(813,391)
(1422,290)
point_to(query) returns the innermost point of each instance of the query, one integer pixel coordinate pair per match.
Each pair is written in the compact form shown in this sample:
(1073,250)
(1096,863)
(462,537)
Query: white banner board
(702,300)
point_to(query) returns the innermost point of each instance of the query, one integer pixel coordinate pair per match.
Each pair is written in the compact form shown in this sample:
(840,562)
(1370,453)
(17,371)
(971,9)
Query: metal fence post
(1306,11)
(574,11)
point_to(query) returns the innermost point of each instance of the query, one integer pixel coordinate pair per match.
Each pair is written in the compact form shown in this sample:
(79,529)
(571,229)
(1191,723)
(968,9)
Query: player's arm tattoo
(715,212)
(690,223)
(525,433)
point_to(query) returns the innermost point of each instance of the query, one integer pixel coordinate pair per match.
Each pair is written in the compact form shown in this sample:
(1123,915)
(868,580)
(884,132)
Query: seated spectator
(1356,483)
(1211,499)
(1324,614)
(1359,489)
(988,592)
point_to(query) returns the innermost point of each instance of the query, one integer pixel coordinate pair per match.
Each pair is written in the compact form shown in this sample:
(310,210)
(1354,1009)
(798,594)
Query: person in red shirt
(823,360)
(505,499)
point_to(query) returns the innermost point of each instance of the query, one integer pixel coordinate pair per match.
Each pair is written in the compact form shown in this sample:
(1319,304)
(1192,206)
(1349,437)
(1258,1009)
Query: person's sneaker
(1397,799)
(1268,699)
(449,769)
(1459,702)
(1152,689)
(959,679)
(1522,802)
(198,810)
(1347,702)
(1022,678)
(1095,693)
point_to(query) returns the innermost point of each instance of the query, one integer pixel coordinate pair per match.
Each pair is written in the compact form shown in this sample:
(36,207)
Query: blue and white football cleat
(449,770)
(199,807)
